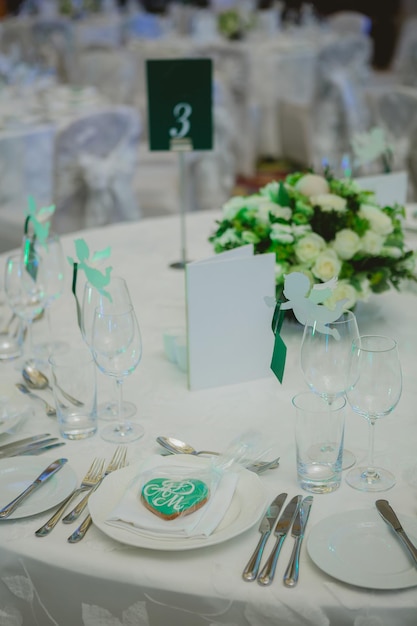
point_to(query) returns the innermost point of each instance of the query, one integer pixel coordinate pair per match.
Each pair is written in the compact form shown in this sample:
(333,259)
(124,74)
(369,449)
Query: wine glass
(92,298)
(325,359)
(23,285)
(375,385)
(52,258)
(117,350)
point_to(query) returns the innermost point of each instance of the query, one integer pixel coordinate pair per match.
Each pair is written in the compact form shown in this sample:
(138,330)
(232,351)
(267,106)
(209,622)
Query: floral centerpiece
(323,227)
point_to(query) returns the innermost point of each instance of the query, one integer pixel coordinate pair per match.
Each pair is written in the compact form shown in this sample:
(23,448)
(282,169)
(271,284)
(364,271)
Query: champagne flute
(92,299)
(117,350)
(53,274)
(374,391)
(24,290)
(324,362)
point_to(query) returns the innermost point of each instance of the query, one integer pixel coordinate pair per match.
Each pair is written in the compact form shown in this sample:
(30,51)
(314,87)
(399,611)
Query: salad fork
(119,456)
(90,480)
(118,462)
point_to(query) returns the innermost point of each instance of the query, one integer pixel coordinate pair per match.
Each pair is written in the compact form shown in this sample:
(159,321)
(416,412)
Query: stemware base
(109,410)
(122,433)
(364,479)
(348,459)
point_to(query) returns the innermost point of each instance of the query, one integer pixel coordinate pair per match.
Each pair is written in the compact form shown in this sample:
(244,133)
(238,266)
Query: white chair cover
(16,39)
(212,174)
(404,64)
(395,110)
(25,169)
(54,43)
(338,109)
(95,162)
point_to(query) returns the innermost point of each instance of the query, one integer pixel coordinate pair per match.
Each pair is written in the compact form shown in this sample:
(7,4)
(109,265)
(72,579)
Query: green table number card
(180,104)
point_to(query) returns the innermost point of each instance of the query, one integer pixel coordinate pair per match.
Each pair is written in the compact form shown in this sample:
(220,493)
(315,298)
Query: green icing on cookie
(170,498)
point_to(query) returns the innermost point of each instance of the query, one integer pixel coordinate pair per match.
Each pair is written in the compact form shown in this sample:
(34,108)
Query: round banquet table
(101,581)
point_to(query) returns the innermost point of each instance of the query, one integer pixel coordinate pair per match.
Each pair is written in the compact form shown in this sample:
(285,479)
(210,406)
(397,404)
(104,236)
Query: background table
(99,581)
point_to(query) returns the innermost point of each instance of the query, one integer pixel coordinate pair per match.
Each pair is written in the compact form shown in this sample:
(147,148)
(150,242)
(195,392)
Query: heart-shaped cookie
(169,498)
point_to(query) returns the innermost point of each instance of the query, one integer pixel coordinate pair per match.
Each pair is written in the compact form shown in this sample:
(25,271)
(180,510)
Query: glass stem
(119,388)
(371,474)
(28,341)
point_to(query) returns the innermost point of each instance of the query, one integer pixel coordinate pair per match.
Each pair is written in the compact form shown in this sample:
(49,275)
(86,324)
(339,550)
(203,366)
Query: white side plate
(359,548)
(17,473)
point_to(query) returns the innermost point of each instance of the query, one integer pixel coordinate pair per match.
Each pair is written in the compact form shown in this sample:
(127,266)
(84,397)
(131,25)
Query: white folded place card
(229,333)
(389,188)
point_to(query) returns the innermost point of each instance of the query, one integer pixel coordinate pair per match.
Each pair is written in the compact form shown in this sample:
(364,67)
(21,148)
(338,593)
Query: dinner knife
(21,442)
(387,513)
(40,449)
(265,528)
(45,475)
(15,451)
(281,529)
(298,529)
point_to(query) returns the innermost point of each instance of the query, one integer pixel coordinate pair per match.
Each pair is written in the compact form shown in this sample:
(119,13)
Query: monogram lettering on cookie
(169,498)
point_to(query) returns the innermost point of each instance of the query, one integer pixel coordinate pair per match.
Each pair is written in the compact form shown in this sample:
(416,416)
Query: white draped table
(100,581)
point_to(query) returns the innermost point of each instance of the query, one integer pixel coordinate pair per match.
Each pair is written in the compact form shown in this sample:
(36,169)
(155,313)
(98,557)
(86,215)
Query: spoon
(176,446)
(50,411)
(35,379)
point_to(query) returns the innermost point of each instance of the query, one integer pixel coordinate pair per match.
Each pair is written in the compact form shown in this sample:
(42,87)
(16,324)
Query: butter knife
(45,475)
(298,529)
(387,513)
(281,529)
(265,528)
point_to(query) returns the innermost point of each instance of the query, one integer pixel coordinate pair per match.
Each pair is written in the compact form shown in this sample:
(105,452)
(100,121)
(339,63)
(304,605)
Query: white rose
(265,206)
(343,291)
(371,243)
(378,220)
(329,202)
(327,265)
(309,247)
(346,243)
(228,237)
(312,185)
(281,233)
(233,206)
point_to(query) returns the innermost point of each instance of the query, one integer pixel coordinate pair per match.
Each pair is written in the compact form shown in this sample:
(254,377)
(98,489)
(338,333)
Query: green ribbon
(279,354)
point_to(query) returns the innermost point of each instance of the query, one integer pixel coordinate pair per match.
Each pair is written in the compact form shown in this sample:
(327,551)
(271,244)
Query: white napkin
(131,514)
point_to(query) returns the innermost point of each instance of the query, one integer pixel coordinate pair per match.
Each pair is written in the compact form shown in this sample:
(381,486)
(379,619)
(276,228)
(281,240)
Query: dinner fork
(91,478)
(118,462)
(119,456)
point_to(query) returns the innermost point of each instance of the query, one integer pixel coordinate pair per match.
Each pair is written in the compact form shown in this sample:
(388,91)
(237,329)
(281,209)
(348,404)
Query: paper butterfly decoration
(308,309)
(307,305)
(368,147)
(40,220)
(94,276)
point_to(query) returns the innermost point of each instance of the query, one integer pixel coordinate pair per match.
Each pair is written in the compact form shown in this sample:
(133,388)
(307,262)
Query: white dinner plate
(359,548)
(18,472)
(248,504)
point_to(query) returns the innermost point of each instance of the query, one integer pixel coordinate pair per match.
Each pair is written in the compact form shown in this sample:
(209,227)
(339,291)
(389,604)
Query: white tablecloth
(99,581)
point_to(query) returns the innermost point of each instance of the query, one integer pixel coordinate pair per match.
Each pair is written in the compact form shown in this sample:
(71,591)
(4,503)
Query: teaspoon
(176,446)
(35,379)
